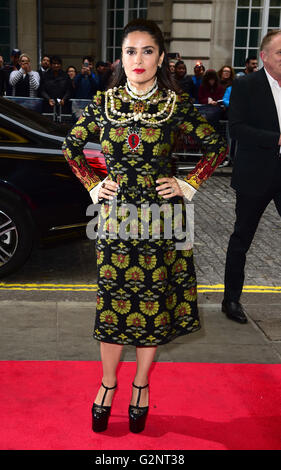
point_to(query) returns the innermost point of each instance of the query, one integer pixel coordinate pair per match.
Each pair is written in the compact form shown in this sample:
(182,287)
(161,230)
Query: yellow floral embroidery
(79,132)
(147,261)
(121,305)
(163,319)
(109,317)
(109,272)
(136,319)
(120,260)
(182,309)
(107,147)
(150,134)
(149,307)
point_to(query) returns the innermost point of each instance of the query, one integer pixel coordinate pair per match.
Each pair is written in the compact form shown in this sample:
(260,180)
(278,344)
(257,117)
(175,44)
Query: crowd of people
(210,87)
(51,82)
(57,86)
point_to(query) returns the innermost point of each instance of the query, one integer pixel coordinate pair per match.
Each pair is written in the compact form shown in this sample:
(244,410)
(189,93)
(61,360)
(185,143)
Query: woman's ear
(161,58)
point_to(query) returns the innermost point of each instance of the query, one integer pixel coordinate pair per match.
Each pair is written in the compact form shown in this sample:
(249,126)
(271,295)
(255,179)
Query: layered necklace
(142,98)
(138,113)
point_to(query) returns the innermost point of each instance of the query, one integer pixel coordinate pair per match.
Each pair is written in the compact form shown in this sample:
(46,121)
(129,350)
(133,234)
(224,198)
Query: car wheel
(16,235)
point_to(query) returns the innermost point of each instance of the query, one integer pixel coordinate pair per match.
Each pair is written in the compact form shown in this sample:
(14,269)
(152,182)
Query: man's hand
(85,70)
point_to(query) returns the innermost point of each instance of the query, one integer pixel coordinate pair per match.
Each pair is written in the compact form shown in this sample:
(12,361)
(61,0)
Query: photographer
(85,85)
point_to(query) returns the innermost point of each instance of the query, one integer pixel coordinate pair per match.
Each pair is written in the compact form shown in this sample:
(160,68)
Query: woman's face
(140,57)
(226,73)
(172,67)
(71,72)
(211,81)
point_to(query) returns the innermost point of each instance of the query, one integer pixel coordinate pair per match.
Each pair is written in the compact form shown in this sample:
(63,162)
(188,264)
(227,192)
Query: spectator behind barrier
(210,90)
(13,65)
(226,76)
(56,87)
(251,65)
(72,72)
(184,81)
(104,73)
(172,65)
(25,81)
(45,65)
(199,70)
(226,96)
(3,77)
(211,94)
(90,59)
(85,85)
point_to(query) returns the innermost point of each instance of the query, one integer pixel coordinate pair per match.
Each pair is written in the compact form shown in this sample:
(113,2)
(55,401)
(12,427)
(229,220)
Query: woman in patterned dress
(146,285)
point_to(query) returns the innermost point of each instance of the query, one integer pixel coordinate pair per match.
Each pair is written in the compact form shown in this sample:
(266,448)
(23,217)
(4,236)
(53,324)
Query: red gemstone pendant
(133,139)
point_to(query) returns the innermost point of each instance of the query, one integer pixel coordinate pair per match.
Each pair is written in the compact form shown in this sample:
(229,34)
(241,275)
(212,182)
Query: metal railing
(186,153)
(37,104)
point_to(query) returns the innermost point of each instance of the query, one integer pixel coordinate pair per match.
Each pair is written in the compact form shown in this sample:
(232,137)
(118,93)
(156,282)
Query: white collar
(272,80)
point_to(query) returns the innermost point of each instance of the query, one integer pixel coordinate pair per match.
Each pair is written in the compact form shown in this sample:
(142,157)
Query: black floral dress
(147,291)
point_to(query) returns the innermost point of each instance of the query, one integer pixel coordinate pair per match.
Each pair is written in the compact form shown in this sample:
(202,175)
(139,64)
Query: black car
(40,197)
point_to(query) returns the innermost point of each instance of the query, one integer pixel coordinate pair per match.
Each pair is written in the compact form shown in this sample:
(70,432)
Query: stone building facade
(215,32)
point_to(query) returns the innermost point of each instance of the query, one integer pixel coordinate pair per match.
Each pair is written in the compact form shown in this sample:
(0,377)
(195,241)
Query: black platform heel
(137,414)
(101,413)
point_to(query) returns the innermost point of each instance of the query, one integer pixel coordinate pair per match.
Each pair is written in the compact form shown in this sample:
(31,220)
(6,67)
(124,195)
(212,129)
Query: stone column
(27,29)
(222,33)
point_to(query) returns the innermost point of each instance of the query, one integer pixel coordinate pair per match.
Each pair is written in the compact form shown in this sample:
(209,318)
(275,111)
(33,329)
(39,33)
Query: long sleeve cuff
(187,189)
(94,193)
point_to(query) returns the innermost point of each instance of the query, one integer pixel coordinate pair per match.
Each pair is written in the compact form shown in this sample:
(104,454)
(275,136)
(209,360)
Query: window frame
(126,12)
(264,28)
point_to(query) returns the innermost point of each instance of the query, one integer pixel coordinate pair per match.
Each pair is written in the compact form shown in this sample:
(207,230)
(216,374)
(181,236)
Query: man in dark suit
(255,123)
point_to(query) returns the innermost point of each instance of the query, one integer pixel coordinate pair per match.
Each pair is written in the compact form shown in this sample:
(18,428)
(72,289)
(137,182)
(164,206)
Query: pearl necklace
(172,97)
(141,95)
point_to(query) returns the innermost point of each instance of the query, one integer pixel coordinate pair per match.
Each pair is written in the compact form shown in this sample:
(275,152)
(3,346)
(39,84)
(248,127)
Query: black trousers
(249,210)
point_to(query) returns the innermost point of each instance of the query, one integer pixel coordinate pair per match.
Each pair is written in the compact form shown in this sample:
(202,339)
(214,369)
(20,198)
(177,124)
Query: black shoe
(234,311)
(100,413)
(137,414)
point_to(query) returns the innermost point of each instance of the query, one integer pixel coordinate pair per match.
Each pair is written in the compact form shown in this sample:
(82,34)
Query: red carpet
(46,405)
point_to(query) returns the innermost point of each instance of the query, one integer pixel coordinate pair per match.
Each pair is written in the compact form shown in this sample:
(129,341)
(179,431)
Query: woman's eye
(149,51)
(130,52)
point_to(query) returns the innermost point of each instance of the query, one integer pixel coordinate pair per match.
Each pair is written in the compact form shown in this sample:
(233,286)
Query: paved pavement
(56,324)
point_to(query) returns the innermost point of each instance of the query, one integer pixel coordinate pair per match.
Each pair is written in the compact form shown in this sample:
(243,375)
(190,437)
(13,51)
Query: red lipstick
(139,70)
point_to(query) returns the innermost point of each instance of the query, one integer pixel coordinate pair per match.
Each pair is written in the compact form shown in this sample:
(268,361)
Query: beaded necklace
(141,95)
(138,114)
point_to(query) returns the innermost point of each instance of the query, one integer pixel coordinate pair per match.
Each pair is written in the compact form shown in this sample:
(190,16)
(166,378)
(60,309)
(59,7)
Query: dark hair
(89,58)
(180,62)
(210,75)
(165,79)
(71,67)
(102,64)
(56,58)
(232,71)
(251,57)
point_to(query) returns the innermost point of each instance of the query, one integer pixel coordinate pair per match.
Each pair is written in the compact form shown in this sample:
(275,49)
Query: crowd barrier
(186,152)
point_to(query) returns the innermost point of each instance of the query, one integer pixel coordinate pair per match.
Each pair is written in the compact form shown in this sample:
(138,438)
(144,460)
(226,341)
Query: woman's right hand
(108,190)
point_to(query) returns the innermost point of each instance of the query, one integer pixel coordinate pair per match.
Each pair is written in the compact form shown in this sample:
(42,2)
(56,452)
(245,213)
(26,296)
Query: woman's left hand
(168,188)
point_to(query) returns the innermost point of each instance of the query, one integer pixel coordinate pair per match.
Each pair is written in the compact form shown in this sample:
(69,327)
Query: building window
(5,29)
(117,13)
(254,18)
